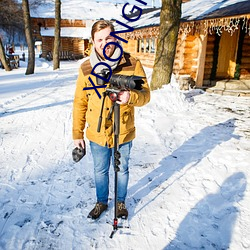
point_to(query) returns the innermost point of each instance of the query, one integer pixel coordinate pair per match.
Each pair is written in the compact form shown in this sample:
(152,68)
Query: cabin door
(227,55)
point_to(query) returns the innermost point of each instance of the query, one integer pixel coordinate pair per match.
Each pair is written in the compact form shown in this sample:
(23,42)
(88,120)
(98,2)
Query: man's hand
(79,143)
(123,97)
(79,151)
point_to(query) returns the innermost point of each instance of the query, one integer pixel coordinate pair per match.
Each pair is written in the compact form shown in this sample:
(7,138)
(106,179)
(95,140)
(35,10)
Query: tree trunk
(168,34)
(56,59)
(3,57)
(29,38)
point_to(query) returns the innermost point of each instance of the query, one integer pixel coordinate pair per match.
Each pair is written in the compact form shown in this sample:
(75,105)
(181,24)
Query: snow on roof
(80,32)
(196,10)
(91,10)
(81,10)
(151,18)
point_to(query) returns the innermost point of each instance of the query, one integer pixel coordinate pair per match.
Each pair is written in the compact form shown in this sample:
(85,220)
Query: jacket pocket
(127,120)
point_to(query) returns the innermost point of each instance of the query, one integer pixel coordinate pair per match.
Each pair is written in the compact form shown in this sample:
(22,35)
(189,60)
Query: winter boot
(122,211)
(97,210)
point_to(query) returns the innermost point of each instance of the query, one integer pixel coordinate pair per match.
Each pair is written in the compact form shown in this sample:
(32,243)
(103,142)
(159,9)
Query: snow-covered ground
(189,170)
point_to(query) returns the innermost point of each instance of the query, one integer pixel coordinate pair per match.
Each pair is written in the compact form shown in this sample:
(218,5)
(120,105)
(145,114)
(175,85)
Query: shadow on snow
(23,110)
(209,225)
(190,153)
(209,215)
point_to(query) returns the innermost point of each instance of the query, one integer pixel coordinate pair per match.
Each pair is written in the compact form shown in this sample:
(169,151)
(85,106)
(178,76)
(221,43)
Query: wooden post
(144,45)
(201,60)
(140,41)
(149,45)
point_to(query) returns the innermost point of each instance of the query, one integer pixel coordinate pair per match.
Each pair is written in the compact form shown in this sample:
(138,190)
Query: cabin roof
(196,10)
(79,32)
(79,10)
(209,9)
(191,11)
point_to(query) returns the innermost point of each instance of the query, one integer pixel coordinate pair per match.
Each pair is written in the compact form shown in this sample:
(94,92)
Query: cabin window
(146,45)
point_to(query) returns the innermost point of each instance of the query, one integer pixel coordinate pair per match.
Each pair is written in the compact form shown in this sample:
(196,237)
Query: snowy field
(189,170)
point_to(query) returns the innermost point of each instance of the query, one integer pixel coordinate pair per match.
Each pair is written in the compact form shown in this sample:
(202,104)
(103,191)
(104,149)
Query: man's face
(101,38)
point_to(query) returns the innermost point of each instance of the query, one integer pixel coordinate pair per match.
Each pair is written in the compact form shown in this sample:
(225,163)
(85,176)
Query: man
(87,107)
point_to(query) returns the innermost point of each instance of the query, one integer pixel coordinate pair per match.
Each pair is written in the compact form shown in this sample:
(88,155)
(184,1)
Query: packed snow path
(189,170)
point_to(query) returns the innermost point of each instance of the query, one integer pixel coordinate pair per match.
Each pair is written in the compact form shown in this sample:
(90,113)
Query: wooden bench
(13,61)
(63,55)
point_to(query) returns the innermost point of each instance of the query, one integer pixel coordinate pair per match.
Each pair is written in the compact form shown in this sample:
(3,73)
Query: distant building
(77,19)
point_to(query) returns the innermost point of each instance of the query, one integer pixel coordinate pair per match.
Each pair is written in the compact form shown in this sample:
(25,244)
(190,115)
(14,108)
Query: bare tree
(11,16)
(28,33)
(3,57)
(36,3)
(11,24)
(56,59)
(168,34)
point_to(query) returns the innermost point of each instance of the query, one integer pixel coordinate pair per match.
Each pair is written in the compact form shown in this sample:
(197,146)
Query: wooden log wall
(190,56)
(179,60)
(146,59)
(79,46)
(130,46)
(73,45)
(47,45)
(185,59)
(66,44)
(245,60)
(186,55)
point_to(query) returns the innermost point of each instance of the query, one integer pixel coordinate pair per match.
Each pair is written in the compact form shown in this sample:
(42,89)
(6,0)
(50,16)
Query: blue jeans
(102,158)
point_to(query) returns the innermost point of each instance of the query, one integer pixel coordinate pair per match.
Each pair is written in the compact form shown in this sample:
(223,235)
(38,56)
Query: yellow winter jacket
(87,105)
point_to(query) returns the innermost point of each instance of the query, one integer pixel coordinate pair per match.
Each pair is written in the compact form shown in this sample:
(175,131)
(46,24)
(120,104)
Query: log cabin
(213,41)
(77,18)
(74,37)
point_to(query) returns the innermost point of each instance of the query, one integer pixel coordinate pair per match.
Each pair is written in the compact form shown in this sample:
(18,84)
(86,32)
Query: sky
(189,169)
